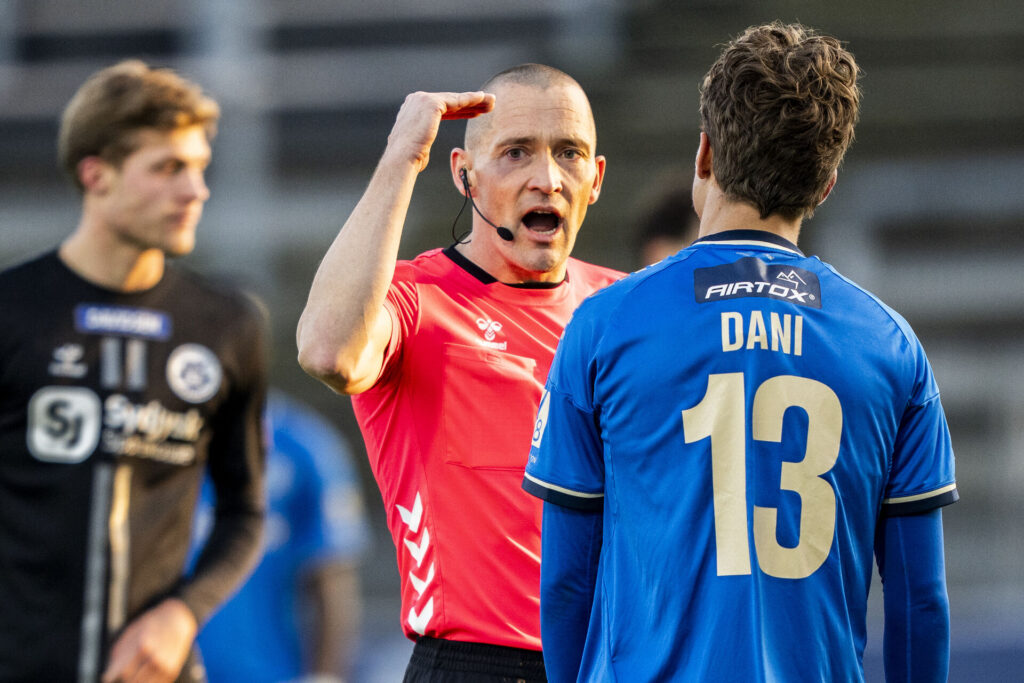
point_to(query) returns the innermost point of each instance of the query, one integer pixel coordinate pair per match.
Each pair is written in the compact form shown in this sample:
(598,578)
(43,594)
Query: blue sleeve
(922,474)
(912,566)
(566,463)
(570,549)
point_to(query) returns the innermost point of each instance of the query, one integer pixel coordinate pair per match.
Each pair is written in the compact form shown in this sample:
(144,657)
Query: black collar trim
(483,276)
(750,236)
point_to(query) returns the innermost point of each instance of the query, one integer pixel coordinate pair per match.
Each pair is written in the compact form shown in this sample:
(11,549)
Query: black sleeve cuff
(914,505)
(588,502)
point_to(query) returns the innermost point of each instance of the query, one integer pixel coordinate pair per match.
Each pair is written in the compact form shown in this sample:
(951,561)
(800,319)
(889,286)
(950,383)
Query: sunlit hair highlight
(779,108)
(109,110)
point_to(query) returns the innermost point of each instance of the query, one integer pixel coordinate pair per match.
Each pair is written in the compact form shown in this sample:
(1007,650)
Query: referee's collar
(750,237)
(488,279)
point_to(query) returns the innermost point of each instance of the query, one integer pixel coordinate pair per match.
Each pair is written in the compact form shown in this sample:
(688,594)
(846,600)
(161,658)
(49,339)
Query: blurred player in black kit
(123,379)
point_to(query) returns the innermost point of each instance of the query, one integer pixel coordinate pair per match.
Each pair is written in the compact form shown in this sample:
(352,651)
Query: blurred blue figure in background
(297,618)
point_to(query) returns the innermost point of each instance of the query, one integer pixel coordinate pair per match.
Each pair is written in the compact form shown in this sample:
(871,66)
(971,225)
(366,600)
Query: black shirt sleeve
(236,468)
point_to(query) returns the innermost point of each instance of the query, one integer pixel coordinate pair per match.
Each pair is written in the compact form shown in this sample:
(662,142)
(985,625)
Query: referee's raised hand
(344,331)
(421,114)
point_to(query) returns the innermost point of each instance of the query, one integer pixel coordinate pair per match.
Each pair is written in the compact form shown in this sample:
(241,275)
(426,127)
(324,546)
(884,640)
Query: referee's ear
(460,161)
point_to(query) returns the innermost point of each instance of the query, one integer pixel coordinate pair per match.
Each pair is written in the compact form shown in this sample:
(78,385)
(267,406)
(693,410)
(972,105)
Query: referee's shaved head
(530,75)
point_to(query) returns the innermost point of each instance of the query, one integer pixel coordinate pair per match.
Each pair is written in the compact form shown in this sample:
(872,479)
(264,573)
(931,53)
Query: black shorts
(453,661)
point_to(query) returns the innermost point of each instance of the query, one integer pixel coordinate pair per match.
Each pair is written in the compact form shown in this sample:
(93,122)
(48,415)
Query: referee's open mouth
(543,222)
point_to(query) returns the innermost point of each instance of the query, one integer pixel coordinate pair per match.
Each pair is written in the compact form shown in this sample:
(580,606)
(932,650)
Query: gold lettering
(732,331)
(756,333)
(787,332)
(781,332)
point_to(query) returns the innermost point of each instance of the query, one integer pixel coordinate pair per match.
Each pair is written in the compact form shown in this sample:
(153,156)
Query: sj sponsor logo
(150,430)
(63,424)
(67,424)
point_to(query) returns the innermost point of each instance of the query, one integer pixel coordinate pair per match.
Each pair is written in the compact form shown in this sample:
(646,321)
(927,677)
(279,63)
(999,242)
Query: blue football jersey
(744,414)
(314,514)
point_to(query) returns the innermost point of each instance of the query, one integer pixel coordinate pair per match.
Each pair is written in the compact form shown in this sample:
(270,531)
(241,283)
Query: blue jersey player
(729,437)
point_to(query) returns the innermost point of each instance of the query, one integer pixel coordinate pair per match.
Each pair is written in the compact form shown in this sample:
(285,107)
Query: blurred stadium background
(928,212)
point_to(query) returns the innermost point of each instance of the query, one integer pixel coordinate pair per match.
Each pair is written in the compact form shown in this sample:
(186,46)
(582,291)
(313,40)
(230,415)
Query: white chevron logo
(412,518)
(418,622)
(418,551)
(421,584)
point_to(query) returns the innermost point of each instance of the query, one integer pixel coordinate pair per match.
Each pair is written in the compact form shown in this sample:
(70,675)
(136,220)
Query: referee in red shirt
(446,356)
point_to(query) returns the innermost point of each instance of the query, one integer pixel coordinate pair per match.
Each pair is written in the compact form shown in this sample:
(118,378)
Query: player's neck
(109,263)
(721,214)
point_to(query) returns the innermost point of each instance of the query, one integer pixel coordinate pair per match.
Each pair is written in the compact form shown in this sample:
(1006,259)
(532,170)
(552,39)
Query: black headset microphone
(503,233)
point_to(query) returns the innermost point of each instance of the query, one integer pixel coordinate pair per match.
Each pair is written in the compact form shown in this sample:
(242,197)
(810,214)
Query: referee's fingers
(467,105)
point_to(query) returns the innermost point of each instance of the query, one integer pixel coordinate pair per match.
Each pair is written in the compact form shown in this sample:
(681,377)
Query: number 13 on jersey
(722,416)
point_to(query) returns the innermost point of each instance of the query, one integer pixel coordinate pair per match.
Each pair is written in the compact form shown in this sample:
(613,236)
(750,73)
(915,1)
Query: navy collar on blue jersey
(483,276)
(750,236)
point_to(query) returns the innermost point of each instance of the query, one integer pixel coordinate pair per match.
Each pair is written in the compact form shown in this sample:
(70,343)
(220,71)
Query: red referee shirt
(447,428)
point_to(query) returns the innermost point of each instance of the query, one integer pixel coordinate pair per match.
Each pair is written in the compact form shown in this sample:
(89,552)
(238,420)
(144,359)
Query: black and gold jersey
(112,406)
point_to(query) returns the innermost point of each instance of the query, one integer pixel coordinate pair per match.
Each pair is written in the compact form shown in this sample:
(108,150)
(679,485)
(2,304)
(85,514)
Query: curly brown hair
(779,107)
(114,104)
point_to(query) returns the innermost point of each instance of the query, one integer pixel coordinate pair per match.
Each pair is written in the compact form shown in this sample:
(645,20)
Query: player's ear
(828,188)
(702,166)
(93,173)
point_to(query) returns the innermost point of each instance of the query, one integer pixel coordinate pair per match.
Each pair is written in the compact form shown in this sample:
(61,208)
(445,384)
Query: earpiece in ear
(503,233)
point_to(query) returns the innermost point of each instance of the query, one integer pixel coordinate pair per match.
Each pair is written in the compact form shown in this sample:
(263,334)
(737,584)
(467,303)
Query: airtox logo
(752,277)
